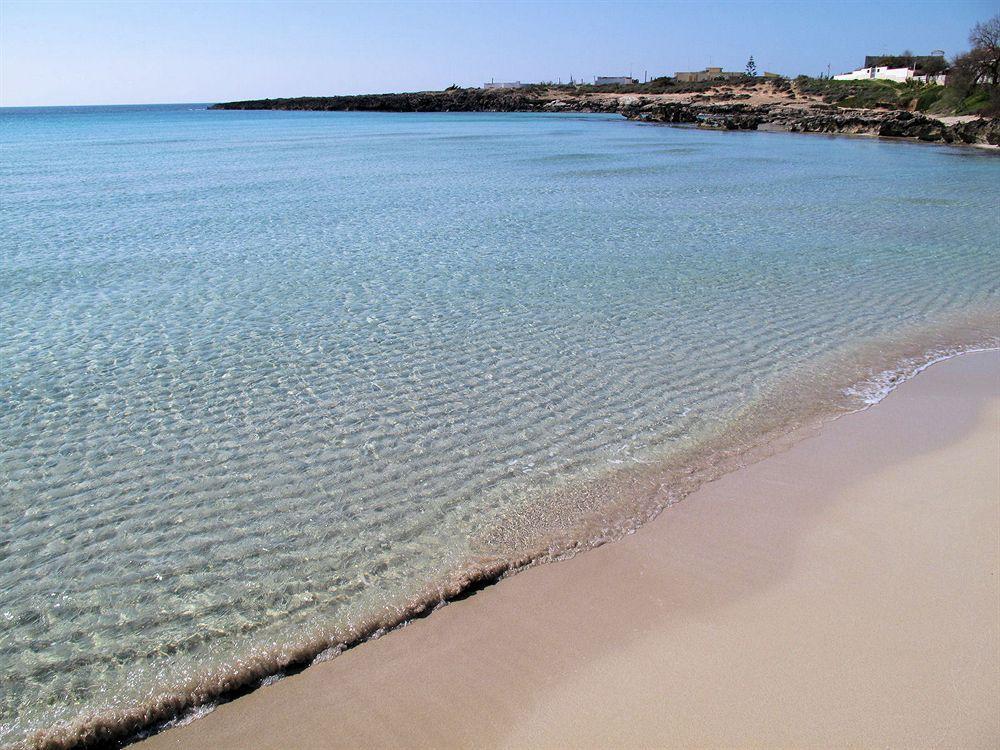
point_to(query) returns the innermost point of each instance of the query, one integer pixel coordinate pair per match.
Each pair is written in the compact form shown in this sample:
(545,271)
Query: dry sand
(955,119)
(843,593)
(723,94)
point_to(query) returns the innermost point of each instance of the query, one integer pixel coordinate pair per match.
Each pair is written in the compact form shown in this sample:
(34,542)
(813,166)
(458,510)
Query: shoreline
(421,649)
(632,499)
(769,106)
(641,491)
(425,458)
(867,134)
(986,147)
(280,656)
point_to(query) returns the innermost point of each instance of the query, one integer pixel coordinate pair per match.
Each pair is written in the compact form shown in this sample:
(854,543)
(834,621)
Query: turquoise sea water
(270,381)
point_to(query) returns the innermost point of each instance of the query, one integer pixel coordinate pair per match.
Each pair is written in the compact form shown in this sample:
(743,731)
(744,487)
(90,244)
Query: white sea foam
(875,389)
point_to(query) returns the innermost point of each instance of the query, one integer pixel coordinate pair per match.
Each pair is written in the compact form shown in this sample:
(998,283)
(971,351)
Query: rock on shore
(819,119)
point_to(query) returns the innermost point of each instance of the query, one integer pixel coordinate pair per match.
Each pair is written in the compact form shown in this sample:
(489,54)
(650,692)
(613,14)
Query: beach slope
(845,592)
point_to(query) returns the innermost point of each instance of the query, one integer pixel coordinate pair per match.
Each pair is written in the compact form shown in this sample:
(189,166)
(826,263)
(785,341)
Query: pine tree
(751,67)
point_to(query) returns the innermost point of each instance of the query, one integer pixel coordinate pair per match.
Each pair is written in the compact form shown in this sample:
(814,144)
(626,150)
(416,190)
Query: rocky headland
(776,106)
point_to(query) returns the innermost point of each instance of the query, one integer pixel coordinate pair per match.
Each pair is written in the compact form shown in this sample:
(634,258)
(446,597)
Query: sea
(273,383)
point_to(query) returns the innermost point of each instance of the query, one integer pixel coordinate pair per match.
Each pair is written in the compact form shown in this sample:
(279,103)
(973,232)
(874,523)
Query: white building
(619,80)
(503,85)
(886,73)
(900,68)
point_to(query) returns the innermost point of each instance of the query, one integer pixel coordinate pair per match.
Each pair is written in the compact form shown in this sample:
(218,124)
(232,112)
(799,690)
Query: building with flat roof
(885,73)
(901,68)
(503,85)
(615,80)
(708,74)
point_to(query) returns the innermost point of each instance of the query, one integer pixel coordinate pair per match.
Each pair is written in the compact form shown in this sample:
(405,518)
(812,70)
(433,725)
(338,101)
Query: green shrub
(975,103)
(929,97)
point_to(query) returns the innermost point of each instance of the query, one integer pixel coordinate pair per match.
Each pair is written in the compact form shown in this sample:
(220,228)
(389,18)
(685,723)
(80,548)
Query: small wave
(613,171)
(875,389)
(561,158)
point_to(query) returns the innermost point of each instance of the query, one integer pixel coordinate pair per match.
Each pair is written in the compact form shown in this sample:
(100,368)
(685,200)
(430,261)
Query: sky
(60,53)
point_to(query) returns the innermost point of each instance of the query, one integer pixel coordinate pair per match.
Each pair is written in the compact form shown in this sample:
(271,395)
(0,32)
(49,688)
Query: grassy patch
(954,101)
(882,94)
(870,94)
(930,96)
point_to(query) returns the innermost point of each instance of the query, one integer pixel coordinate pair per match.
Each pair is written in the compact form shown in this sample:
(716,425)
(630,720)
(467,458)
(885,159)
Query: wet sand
(845,592)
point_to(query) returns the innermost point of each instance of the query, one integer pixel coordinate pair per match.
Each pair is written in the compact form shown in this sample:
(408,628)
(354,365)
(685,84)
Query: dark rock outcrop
(977,131)
(456,100)
(814,119)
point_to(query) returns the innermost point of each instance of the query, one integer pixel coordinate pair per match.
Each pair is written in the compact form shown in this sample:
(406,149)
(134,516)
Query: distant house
(708,74)
(885,73)
(882,72)
(900,68)
(615,80)
(503,85)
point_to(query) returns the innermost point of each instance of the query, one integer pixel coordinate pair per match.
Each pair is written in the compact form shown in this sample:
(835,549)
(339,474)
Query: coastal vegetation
(972,84)
(951,99)
(960,96)
(908,109)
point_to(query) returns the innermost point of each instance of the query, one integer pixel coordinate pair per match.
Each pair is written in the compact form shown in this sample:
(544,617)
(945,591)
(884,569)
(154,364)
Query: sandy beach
(407,377)
(842,593)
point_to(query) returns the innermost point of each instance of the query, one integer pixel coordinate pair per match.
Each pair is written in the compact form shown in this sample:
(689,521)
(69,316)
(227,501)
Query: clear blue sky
(141,52)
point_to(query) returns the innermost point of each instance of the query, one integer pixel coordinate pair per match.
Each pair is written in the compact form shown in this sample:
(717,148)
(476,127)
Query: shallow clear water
(271,379)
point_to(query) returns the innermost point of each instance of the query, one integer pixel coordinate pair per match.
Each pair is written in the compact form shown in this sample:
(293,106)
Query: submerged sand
(845,592)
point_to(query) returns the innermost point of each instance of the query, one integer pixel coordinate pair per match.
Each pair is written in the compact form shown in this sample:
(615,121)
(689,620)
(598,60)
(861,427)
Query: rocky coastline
(723,110)
(820,119)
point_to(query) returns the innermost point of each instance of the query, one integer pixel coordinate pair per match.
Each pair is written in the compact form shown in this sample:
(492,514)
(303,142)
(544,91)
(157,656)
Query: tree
(933,66)
(963,73)
(751,67)
(985,41)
